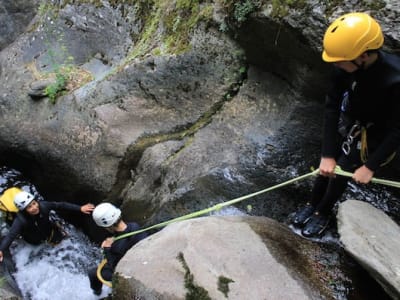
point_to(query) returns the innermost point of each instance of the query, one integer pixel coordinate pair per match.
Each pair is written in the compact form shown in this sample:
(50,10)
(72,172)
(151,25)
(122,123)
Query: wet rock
(372,238)
(38,88)
(9,289)
(15,16)
(256,258)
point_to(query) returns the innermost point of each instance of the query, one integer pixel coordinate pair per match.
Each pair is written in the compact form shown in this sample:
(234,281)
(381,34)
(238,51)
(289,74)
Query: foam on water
(45,272)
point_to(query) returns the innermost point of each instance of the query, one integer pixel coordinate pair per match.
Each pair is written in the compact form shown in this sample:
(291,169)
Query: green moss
(150,27)
(169,26)
(194,292)
(280,8)
(223,285)
(374,5)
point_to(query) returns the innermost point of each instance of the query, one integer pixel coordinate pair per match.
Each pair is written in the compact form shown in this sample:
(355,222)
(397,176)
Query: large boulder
(224,258)
(372,238)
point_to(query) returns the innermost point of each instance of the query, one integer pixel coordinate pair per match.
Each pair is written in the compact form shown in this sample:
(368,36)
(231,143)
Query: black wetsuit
(373,98)
(38,228)
(114,255)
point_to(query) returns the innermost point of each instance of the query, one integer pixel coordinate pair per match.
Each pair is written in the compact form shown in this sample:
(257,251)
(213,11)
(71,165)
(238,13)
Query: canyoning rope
(199,213)
(218,206)
(391,183)
(98,273)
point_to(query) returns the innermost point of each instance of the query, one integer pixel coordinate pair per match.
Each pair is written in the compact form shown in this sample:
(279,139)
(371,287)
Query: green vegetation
(243,9)
(66,75)
(194,292)
(223,285)
(168,27)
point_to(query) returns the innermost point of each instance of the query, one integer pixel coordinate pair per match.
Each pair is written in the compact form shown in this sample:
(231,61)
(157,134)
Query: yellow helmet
(351,35)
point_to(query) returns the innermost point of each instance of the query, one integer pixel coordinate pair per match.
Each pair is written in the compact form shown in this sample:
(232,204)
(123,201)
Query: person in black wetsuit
(108,216)
(362,114)
(33,221)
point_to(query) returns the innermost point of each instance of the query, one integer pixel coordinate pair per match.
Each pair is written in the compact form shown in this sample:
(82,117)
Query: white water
(45,272)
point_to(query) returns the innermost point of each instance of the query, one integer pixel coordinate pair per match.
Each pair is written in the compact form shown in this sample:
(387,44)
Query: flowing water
(45,272)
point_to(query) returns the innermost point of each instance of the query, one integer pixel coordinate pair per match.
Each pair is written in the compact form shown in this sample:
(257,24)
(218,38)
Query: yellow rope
(364,149)
(98,273)
(364,145)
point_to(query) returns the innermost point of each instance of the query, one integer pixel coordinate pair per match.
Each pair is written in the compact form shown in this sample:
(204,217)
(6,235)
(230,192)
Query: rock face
(372,238)
(15,16)
(189,102)
(198,112)
(228,257)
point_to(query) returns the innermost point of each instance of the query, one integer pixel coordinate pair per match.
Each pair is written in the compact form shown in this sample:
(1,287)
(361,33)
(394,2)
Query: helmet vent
(334,29)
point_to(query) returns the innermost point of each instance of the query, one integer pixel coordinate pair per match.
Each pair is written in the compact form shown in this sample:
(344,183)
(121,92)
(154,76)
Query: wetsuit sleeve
(15,230)
(331,116)
(391,142)
(62,206)
(120,247)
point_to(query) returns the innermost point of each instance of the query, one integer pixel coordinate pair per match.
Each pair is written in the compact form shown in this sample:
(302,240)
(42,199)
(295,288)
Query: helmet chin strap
(359,66)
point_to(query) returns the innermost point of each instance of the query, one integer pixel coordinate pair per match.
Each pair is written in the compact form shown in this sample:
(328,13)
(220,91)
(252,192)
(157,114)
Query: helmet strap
(359,66)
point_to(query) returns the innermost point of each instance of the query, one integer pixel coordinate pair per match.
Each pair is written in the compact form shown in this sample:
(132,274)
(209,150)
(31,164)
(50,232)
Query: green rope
(339,171)
(217,206)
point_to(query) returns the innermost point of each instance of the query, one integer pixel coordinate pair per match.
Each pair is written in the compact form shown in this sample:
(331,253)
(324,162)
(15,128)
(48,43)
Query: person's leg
(304,213)
(95,283)
(337,185)
(334,189)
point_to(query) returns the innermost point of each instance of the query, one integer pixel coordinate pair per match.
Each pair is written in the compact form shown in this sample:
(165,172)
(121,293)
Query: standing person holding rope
(363,105)
(108,216)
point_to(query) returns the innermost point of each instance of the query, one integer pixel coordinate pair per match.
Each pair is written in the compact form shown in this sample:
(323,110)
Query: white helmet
(22,200)
(106,214)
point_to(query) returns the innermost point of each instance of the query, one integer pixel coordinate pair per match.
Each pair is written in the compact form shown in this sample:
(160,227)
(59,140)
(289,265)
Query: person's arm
(15,230)
(333,103)
(86,209)
(391,142)
(327,166)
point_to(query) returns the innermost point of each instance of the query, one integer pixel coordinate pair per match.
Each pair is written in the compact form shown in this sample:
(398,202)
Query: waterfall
(60,272)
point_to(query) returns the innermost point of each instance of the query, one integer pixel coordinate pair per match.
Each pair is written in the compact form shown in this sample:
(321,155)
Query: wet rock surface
(161,132)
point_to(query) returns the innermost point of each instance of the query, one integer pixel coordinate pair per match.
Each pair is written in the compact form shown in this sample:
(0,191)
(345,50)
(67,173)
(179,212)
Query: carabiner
(346,147)
(352,131)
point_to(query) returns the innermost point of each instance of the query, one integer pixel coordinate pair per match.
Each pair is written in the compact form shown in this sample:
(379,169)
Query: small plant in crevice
(223,285)
(194,292)
(61,69)
(243,9)
(54,89)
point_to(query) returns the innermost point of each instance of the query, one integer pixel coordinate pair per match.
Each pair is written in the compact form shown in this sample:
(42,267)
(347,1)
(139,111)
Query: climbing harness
(362,145)
(218,206)
(351,135)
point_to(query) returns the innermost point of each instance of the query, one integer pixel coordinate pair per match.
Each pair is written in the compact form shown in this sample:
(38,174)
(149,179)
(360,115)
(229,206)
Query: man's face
(111,229)
(352,66)
(33,208)
(346,66)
